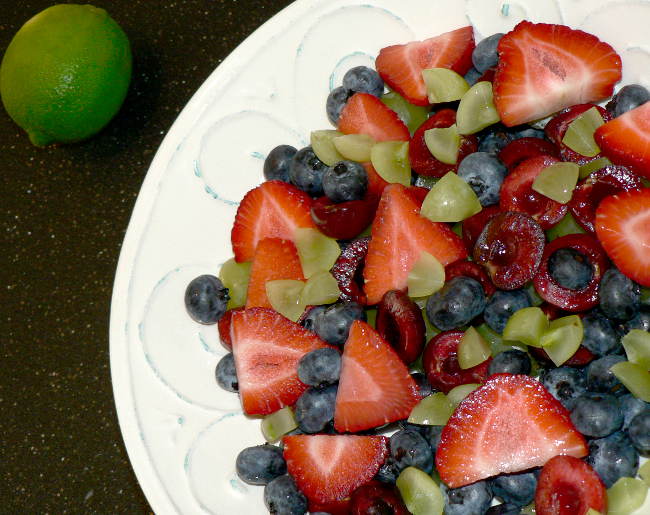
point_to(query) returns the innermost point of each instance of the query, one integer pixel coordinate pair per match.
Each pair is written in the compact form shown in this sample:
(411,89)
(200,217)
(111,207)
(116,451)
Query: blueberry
(388,472)
(206,299)
(613,457)
(434,437)
(639,321)
(409,448)
(260,464)
(473,499)
(502,305)
(345,181)
(600,337)
(333,324)
(485,174)
(306,172)
(472,76)
(620,297)
(336,101)
(504,509)
(600,378)
(424,387)
(631,407)
(363,79)
(566,384)
(517,489)
(526,131)
(424,430)
(485,54)
(639,432)
(315,409)
(456,303)
(276,164)
(494,138)
(282,497)
(512,361)
(629,97)
(308,320)
(597,414)
(226,374)
(570,269)
(320,367)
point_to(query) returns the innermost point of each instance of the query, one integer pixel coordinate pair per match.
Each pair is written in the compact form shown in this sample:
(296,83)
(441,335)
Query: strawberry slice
(401,65)
(328,468)
(274,259)
(510,424)
(375,387)
(569,486)
(626,139)
(267,347)
(622,223)
(544,68)
(274,209)
(366,114)
(398,225)
(376,183)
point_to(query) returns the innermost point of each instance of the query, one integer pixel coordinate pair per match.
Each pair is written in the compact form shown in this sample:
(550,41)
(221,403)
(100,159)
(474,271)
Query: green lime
(65,73)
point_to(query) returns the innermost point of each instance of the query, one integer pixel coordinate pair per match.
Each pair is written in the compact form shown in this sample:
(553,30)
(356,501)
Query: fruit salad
(442,304)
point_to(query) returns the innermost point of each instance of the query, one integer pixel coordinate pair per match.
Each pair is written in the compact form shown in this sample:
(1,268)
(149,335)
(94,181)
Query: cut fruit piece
(510,424)
(433,410)
(320,288)
(443,143)
(590,167)
(637,347)
(420,492)
(400,322)
(564,227)
(474,225)
(644,472)
(413,116)
(278,424)
(562,338)
(521,149)
(458,393)
(557,181)
(317,252)
(472,270)
(626,496)
(347,271)
(444,85)
(366,114)
(450,200)
(526,325)
(472,349)
(344,220)
(634,377)
(235,277)
(579,135)
(322,142)
(390,159)
(426,277)
(355,147)
(285,296)
(476,110)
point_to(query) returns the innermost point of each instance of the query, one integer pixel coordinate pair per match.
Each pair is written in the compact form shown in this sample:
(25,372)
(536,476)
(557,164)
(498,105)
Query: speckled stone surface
(63,215)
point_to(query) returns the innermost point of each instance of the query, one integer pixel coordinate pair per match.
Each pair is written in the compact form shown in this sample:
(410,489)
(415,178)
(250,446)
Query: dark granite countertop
(64,213)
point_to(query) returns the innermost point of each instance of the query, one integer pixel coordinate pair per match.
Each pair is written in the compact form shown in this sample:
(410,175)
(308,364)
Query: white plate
(181,431)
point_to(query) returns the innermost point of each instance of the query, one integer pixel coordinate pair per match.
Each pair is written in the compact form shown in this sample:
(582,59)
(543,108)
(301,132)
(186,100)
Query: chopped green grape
(535,299)
(579,135)
(495,341)
(645,296)
(443,143)
(317,252)
(567,225)
(426,277)
(371,316)
(391,161)
(320,288)
(433,410)
(278,424)
(529,509)
(476,109)
(458,228)
(425,182)
(527,326)
(637,347)
(450,200)
(472,349)
(458,393)
(592,166)
(420,492)
(562,338)
(284,296)
(625,496)
(444,85)
(355,147)
(634,377)
(591,511)
(431,330)
(413,116)
(644,472)
(235,276)
(557,181)
(322,142)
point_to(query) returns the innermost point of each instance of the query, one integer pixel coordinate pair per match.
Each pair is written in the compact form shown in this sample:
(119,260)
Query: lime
(65,73)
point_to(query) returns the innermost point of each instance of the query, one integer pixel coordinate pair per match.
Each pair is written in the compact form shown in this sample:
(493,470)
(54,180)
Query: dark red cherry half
(348,271)
(377,498)
(473,226)
(521,149)
(344,220)
(473,270)
(400,323)
(581,357)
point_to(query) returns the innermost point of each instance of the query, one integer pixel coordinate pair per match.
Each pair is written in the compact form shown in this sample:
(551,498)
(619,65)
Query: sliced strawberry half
(274,209)
(274,259)
(398,225)
(267,347)
(328,468)
(510,424)
(401,65)
(626,139)
(366,114)
(375,387)
(376,183)
(544,68)
(623,228)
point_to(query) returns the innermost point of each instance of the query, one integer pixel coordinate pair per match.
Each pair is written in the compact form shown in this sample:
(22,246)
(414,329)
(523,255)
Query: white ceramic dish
(181,431)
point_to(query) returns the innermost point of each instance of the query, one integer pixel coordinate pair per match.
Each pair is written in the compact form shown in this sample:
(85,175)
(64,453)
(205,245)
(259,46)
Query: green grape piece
(316,251)
(235,276)
(433,410)
(425,182)
(637,347)
(354,147)
(420,493)
(322,142)
(535,299)
(285,297)
(371,316)
(278,424)
(644,472)
(320,288)
(557,181)
(527,326)
(426,277)
(562,338)
(567,225)
(579,135)
(443,143)
(431,330)
(458,228)
(458,393)
(592,166)
(645,296)
(472,349)
(413,116)
(634,377)
(591,511)
(391,161)
(450,200)
(476,109)
(495,341)
(444,85)
(626,496)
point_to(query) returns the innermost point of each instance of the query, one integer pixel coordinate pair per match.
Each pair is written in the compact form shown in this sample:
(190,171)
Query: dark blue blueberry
(600,337)
(226,374)
(631,407)
(306,172)
(336,101)
(206,299)
(282,497)
(494,138)
(629,97)
(639,321)
(485,174)
(456,303)
(570,268)
(597,414)
(388,472)
(309,319)
(260,464)
(566,384)
(424,387)
(277,163)
(363,79)
(345,181)
(315,409)
(409,448)
(526,131)
(613,457)
(517,489)
(473,499)
(639,432)
(472,76)
(601,379)
(502,305)
(620,297)
(504,509)
(320,367)
(512,361)
(333,324)
(424,430)
(434,437)
(485,54)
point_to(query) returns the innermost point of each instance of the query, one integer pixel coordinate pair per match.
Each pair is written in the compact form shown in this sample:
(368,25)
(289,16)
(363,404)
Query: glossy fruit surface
(348,271)
(400,323)
(366,114)
(521,149)
(343,220)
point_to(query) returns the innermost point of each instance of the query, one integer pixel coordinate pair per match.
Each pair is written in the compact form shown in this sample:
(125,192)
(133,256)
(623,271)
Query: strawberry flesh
(366,114)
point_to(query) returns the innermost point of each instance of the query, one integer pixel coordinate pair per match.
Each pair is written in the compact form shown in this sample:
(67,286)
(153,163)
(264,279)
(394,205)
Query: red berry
(520,149)
(400,323)
(366,114)
(376,497)
(473,226)
(582,357)
(343,220)
(223,325)
(348,271)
